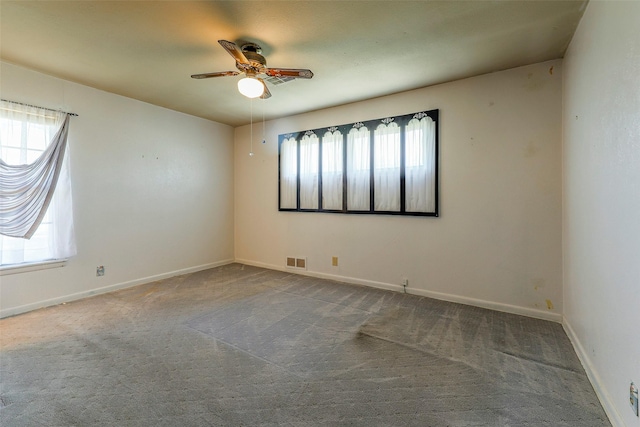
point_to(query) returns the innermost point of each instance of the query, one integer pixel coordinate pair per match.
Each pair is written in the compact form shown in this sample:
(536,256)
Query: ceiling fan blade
(234,51)
(266,93)
(218,74)
(296,73)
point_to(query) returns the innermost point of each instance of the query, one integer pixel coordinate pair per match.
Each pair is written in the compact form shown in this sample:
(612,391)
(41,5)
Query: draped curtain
(332,170)
(309,158)
(420,174)
(288,173)
(358,169)
(36,219)
(386,174)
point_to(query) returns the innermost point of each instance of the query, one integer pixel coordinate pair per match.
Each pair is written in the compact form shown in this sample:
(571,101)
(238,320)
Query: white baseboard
(79,295)
(506,308)
(615,418)
(356,281)
(497,306)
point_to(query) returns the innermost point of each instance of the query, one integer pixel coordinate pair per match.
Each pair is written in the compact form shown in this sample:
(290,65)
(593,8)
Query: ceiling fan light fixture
(250,87)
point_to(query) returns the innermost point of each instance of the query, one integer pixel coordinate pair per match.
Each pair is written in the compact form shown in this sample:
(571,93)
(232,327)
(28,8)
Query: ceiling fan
(251,63)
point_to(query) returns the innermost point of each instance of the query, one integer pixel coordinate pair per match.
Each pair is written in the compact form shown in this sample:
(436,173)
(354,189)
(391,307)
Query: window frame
(43,133)
(371,125)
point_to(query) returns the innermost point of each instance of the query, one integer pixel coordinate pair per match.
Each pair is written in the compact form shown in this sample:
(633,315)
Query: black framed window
(384,166)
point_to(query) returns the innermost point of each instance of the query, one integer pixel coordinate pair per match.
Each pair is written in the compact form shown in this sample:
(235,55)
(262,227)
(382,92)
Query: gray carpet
(245,346)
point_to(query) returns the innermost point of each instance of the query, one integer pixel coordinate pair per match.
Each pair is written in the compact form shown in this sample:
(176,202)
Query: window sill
(32,266)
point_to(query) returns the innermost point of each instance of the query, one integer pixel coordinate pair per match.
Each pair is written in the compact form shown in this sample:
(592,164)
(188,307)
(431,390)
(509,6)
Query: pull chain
(264,136)
(251,129)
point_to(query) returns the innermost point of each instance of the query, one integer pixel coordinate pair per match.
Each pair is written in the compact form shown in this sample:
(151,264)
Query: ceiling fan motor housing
(253,53)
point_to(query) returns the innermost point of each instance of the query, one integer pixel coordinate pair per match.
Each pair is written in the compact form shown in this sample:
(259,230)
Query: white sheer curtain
(420,174)
(358,169)
(36,217)
(288,173)
(386,173)
(332,170)
(309,159)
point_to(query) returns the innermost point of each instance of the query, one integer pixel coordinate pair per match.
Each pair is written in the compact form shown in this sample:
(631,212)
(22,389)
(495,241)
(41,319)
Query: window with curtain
(288,173)
(384,166)
(332,165)
(386,170)
(309,167)
(36,218)
(420,152)
(358,168)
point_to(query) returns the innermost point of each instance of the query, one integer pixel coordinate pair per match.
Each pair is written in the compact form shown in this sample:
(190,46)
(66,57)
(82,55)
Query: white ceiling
(358,50)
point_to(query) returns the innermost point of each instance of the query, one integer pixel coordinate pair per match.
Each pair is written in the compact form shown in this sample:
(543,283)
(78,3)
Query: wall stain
(538,284)
(531,150)
(534,82)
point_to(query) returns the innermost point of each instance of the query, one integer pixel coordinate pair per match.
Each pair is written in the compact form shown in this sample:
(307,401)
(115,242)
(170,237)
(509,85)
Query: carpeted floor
(245,346)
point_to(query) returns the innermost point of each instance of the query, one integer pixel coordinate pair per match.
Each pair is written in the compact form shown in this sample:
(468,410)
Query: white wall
(601,118)
(497,242)
(152,192)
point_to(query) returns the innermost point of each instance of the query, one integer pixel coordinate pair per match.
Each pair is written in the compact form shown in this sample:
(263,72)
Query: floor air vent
(297,263)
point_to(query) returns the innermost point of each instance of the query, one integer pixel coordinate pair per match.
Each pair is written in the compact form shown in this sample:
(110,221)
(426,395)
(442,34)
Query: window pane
(358,169)
(12,250)
(37,137)
(13,156)
(420,165)
(10,133)
(414,146)
(386,174)
(288,173)
(332,170)
(309,161)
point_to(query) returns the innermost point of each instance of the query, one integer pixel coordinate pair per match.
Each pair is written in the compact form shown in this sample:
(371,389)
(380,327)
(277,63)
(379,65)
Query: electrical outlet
(633,398)
(100,270)
(405,283)
(334,261)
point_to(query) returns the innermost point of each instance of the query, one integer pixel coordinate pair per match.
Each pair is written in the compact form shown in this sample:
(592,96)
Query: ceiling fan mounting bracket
(250,47)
